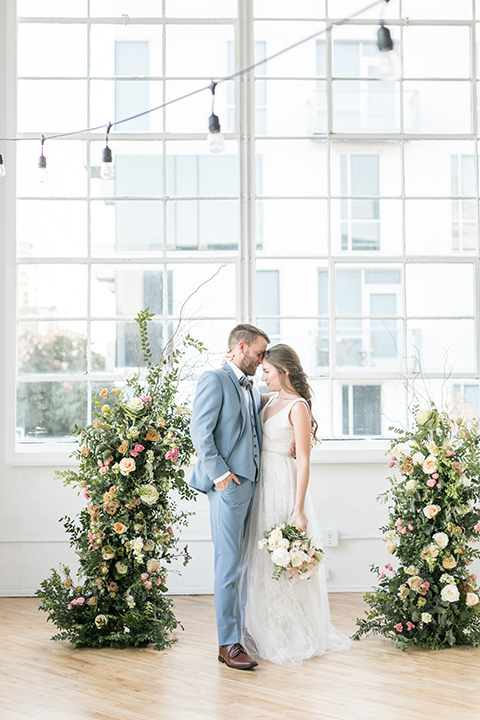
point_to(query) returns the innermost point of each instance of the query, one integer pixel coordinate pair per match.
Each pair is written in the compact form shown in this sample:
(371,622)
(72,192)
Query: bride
(285,622)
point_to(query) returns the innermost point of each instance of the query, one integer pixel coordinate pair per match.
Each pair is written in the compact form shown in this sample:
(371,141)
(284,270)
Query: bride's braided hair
(283,358)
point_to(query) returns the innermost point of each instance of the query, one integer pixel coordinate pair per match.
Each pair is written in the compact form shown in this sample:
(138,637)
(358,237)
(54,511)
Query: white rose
(297,558)
(441,539)
(284,543)
(152,565)
(121,568)
(391,547)
(471,599)
(411,570)
(261,544)
(423,416)
(426,617)
(281,557)
(127,465)
(466,481)
(148,494)
(432,448)
(418,458)
(135,405)
(275,537)
(450,593)
(429,466)
(411,485)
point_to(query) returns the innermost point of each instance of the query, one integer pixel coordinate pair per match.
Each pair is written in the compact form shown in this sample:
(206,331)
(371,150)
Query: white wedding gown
(284,622)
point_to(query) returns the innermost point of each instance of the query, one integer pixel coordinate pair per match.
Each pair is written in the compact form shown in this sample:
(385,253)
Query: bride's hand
(228,356)
(299,520)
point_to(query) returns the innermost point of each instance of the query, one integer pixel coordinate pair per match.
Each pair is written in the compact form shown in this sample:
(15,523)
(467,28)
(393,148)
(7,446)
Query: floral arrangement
(430,599)
(292,552)
(130,459)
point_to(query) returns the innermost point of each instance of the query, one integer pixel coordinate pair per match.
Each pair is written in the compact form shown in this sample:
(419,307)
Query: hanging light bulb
(3,172)
(107,171)
(42,165)
(389,62)
(215,140)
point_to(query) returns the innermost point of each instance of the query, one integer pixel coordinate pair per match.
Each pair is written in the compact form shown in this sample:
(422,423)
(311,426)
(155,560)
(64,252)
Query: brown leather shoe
(235,657)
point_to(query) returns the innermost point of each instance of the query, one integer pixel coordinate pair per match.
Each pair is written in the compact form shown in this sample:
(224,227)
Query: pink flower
(103,470)
(394,457)
(108,460)
(128,506)
(146,398)
(144,576)
(137,501)
(85,494)
(80,600)
(455,464)
(439,486)
(390,464)
(148,584)
(99,463)
(398,523)
(138,448)
(477,528)
(435,476)
(389,567)
(172,454)
(70,606)
(410,527)
(410,625)
(134,453)
(402,530)
(474,576)
(382,575)
(450,453)
(399,627)
(431,482)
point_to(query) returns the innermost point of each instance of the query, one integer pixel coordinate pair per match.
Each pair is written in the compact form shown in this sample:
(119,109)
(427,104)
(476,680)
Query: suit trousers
(229,512)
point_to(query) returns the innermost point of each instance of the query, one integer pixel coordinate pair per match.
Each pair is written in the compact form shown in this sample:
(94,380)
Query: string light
(3,172)
(389,62)
(215,139)
(107,171)
(42,165)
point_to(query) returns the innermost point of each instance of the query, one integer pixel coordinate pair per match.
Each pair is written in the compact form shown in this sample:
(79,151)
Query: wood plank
(41,679)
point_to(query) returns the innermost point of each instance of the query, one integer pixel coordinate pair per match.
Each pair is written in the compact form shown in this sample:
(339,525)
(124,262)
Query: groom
(226,433)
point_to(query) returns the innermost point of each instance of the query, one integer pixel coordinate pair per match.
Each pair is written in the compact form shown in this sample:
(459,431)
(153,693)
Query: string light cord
(224,79)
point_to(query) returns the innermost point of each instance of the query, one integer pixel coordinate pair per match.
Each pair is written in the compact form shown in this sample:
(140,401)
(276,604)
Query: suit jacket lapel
(234,379)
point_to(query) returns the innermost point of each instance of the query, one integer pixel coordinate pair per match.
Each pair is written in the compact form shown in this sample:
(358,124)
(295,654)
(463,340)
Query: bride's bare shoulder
(267,397)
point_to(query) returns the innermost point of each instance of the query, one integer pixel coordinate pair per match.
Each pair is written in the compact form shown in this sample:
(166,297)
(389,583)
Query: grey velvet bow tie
(246,382)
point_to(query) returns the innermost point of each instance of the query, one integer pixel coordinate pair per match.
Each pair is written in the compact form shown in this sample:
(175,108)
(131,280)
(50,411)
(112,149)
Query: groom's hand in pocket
(224,483)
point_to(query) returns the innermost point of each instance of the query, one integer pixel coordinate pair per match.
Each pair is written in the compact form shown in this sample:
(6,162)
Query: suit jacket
(221,429)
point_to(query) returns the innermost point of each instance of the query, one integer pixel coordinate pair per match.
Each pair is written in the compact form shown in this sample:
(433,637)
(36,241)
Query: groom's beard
(248,366)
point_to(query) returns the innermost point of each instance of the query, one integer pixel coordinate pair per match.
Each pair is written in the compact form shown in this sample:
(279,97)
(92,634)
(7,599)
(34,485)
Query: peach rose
(471,599)
(120,528)
(104,393)
(152,565)
(430,511)
(96,424)
(429,466)
(85,451)
(127,465)
(449,562)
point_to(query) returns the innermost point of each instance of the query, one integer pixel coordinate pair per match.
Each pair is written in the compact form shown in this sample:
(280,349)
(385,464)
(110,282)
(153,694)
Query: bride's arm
(266,398)
(300,419)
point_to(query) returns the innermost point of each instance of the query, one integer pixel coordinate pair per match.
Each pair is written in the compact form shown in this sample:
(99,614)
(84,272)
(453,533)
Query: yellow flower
(85,451)
(152,435)
(116,392)
(105,409)
(449,562)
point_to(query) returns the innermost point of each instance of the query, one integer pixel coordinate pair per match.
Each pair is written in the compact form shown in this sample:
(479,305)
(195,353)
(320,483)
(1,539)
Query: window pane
(426,284)
(52,290)
(192,171)
(202,290)
(207,50)
(60,155)
(431,227)
(191,115)
(436,62)
(192,8)
(126,50)
(443,9)
(123,227)
(291,168)
(52,347)
(125,290)
(437,107)
(116,345)
(299,115)
(441,346)
(298,62)
(268,301)
(50,409)
(356,229)
(51,105)
(285,8)
(38,52)
(292,227)
(52,8)
(121,99)
(138,168)
(48,228)
(366,106)
(298,285)
(202,225)
(436,167)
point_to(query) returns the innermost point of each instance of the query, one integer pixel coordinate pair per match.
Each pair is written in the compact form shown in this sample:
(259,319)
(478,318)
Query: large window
(342,216)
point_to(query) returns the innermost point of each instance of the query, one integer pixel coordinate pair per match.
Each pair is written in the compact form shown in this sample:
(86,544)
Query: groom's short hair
(247,333)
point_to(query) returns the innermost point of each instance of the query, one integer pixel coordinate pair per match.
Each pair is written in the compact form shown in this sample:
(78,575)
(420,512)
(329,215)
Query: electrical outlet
(327,572)
(330,538)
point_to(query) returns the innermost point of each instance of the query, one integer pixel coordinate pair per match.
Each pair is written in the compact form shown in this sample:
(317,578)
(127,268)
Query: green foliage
(130,463)
(430,600)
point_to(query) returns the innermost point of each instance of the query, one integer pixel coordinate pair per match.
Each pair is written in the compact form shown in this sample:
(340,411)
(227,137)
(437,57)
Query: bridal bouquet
(292,552)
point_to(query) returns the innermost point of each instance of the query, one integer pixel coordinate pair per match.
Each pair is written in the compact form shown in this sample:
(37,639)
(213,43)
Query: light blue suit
(227,438)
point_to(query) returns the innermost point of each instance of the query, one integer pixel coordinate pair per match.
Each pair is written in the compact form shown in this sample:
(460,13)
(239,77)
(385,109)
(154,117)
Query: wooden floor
(41,679)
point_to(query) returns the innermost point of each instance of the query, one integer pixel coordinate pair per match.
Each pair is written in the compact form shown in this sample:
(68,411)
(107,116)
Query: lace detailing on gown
(284,622)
